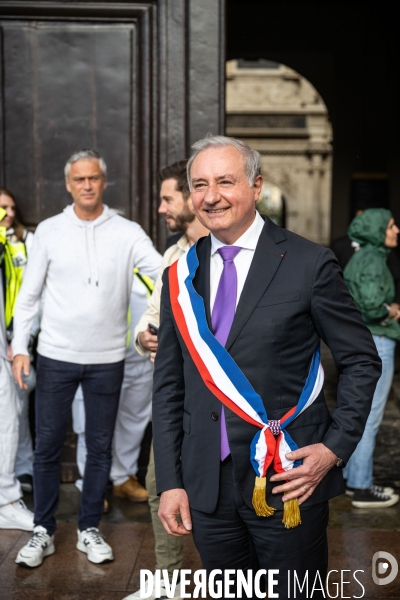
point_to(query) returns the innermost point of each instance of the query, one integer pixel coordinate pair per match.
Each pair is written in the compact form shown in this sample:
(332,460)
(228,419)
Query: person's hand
(302,481)
(148,340)
(21,365)
(394,312)
(174,503)
(152,356)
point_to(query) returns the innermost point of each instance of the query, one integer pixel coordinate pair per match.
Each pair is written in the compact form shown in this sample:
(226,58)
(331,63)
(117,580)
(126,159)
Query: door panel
(66,87)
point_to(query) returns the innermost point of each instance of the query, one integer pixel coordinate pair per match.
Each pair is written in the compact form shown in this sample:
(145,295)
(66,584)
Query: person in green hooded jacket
(372,287)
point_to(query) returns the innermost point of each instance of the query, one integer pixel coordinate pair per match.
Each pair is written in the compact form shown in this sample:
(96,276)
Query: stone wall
(280,114)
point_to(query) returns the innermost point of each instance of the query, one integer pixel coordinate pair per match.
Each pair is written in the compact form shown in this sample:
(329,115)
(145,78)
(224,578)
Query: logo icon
(381,568)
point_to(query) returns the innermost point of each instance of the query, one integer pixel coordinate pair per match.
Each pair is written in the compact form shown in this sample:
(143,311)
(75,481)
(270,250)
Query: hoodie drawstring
(87,254)
(96,263)
(91,254)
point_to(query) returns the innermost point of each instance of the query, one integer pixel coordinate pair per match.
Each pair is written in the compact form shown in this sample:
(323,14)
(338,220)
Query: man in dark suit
(287,294)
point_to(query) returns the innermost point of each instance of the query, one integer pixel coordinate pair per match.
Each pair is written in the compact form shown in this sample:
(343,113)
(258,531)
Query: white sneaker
(91,541)
(16,516)
(39,546)
(162,596)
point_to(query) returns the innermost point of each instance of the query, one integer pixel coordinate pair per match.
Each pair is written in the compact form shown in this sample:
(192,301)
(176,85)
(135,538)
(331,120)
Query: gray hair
(85,153)
(252,162)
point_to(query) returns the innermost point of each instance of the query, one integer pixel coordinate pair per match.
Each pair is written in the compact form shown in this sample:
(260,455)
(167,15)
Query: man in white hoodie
(82,262)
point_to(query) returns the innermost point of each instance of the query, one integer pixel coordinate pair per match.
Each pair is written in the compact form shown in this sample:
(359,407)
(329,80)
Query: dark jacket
(293,296)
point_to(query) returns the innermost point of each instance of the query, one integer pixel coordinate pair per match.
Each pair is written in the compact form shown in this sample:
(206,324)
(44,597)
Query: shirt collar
(248,240)
(183,243)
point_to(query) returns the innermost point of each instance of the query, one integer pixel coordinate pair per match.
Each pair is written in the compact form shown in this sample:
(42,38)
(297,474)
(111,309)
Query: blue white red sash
(224,378)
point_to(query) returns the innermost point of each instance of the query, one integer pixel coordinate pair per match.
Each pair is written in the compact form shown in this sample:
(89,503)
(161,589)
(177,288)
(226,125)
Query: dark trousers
(56,385)
(223,540)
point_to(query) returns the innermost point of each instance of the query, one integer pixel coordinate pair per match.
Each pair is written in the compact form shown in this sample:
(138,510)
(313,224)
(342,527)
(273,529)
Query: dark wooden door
(68,86)
(136,81)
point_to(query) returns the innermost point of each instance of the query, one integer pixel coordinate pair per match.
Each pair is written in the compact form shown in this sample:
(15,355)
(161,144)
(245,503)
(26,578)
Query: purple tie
(222,317)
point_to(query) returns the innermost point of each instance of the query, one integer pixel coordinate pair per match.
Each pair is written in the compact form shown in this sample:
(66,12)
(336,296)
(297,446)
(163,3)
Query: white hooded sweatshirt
(84,270)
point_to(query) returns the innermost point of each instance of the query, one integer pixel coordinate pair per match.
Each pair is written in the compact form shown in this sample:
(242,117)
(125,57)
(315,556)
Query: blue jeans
(358,470)
(56,385)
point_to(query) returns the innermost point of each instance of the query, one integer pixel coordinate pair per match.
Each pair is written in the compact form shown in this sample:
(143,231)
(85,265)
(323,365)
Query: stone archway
(280,114)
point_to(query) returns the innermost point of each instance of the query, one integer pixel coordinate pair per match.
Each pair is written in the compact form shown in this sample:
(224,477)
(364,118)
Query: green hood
(369,228)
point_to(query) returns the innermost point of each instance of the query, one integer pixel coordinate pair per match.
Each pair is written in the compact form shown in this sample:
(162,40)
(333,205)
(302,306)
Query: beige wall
(280,114)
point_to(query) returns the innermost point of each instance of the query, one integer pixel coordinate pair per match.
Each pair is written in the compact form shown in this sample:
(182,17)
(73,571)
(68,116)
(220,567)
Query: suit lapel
(266,261)
(201,281)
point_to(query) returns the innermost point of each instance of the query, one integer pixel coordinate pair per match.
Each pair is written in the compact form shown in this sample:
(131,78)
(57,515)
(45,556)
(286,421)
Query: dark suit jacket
(294,295)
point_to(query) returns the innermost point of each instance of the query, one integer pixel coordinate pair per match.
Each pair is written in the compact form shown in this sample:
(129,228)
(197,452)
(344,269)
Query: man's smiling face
(222,197)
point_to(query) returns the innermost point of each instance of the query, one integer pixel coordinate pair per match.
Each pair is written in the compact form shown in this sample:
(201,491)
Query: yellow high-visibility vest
(148,283)
(12,274)
(145,280)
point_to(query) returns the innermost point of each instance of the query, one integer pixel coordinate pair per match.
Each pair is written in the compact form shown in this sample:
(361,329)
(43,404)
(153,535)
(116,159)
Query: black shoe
(388,491)
(26,482)
(370,498)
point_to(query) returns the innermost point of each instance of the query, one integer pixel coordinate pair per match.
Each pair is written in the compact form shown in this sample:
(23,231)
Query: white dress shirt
(247,242)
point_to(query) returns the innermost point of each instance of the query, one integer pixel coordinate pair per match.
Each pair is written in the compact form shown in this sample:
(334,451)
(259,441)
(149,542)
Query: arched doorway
(278,112)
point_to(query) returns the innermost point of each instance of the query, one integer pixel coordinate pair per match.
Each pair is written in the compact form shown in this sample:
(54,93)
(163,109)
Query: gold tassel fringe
(291,514)
(259,498)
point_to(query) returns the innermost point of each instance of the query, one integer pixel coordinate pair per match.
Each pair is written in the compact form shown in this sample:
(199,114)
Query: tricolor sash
(227,382)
